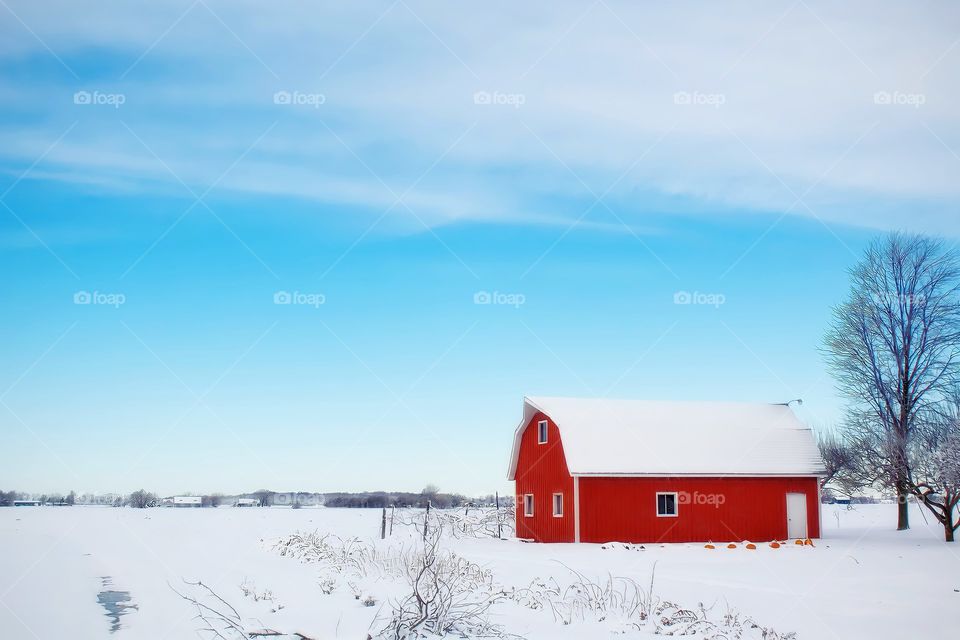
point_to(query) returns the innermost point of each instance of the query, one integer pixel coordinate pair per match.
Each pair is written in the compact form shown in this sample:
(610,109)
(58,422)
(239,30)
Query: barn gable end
(542,472)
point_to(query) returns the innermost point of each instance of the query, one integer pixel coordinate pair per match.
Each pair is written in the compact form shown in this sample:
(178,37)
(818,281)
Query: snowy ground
(863,580)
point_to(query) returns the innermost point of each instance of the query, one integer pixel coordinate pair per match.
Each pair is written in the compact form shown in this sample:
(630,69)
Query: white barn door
(796,515)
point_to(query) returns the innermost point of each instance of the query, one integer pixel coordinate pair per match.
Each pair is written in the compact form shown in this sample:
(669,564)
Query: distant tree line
(7,498)
(430,493)
(142,499)
(379,499)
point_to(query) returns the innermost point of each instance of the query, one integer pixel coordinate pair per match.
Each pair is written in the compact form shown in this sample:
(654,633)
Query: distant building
(187,501)
(26,503)
(247,502)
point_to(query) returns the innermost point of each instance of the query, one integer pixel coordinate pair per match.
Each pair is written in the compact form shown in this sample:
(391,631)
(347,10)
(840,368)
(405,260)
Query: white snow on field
(858,582)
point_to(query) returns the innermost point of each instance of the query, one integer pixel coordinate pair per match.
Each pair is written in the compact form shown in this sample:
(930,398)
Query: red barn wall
(624,509)
(542,471)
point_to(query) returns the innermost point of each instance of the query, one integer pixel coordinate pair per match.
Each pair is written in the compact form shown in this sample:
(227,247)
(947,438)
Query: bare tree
(265,496)
(141,499)
(212,500)
(893,348)
(935,472)
(841,464)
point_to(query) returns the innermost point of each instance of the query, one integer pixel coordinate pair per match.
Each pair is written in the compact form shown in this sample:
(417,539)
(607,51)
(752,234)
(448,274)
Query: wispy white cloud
(762,101)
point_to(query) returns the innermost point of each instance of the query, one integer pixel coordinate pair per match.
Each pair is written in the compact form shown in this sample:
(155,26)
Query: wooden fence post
(383,524)
(393,512)
(499,524)
(426,520)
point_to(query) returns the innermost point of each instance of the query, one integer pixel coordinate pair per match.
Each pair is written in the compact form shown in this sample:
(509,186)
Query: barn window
(666,505)
(558,505)
(528,505)
(542,432)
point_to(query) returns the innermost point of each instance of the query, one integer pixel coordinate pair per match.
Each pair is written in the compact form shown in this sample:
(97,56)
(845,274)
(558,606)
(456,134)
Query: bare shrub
(249,590)
(627,605)
(478,522)
(342,556)
(449,595)
(220,619)
(469,522)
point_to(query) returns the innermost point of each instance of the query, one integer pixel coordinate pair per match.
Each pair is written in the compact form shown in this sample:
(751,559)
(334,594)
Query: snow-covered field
(863,580)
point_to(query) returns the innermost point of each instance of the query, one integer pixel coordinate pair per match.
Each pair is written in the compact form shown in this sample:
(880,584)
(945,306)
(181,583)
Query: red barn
(600,470)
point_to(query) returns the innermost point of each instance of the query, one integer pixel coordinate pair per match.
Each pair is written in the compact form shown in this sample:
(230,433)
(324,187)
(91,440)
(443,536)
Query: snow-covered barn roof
(636,437)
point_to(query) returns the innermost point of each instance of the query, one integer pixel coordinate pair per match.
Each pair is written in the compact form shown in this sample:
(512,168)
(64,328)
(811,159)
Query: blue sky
(385,167)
